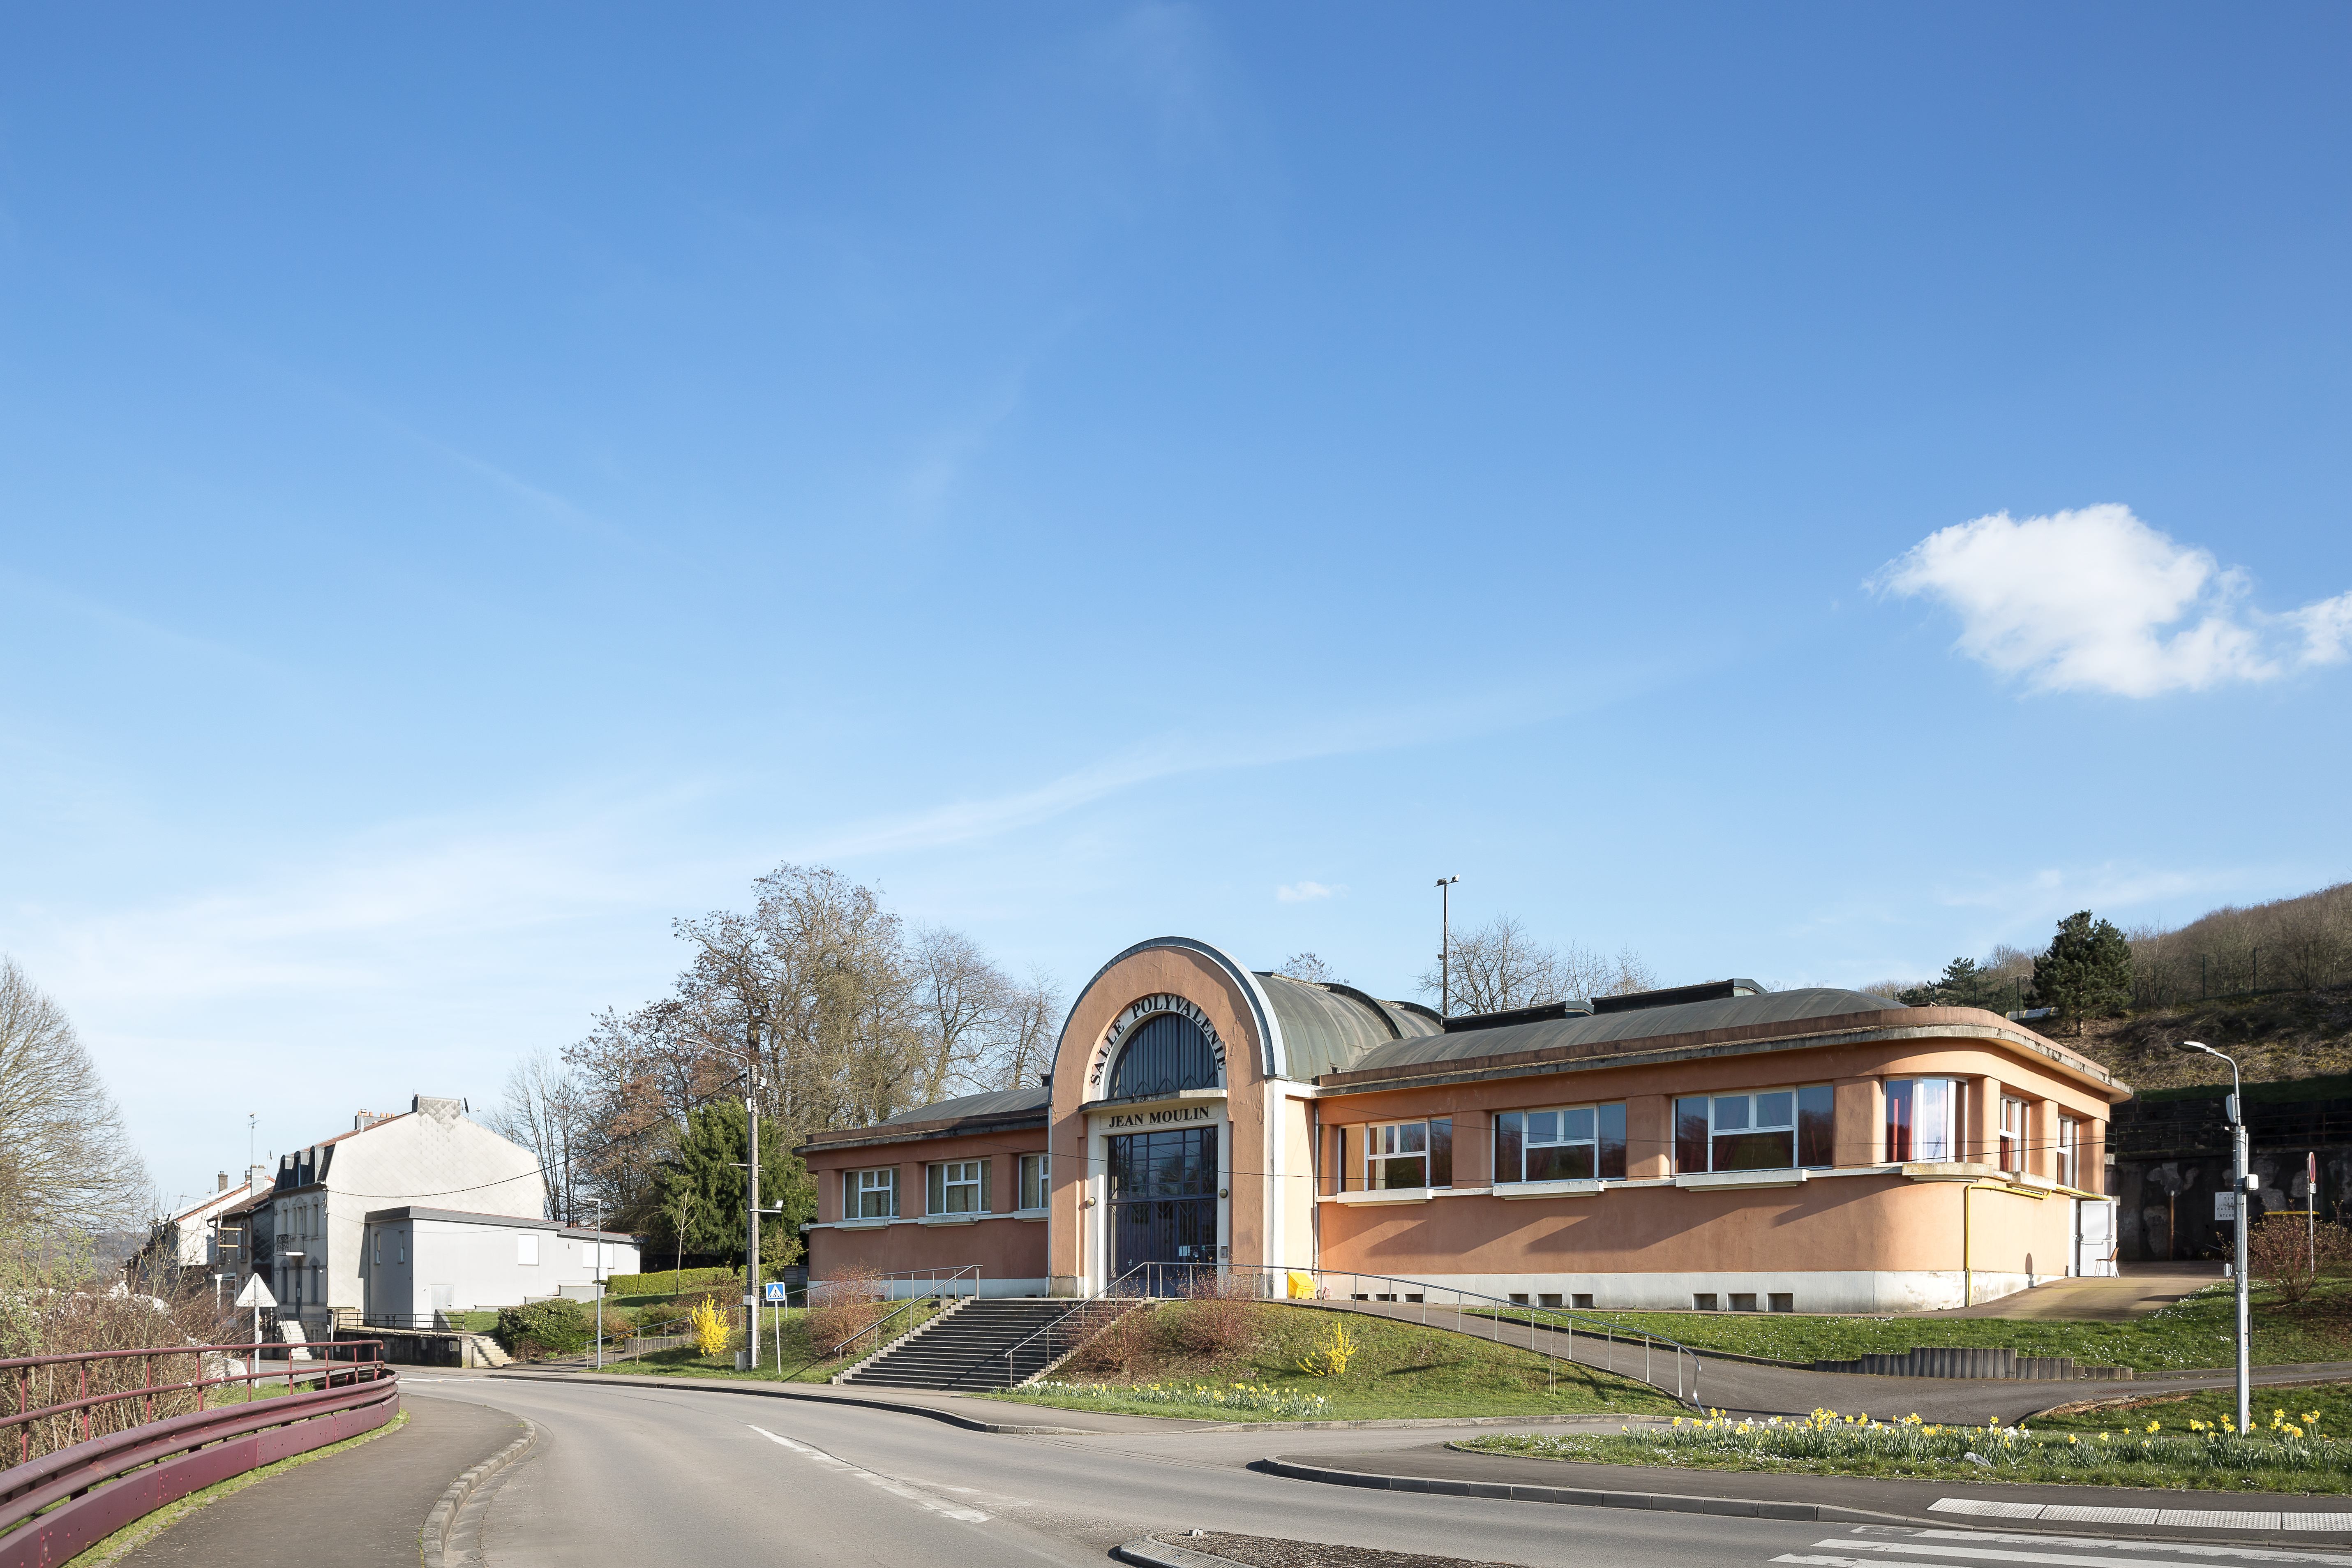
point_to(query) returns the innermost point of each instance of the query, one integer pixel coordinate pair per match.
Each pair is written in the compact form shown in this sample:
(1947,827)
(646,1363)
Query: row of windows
(1767,1129)
(952,1186)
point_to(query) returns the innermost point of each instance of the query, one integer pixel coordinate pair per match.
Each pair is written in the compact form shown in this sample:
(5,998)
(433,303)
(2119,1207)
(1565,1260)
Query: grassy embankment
(2195,1333)
(800,1362)
(1397,1369)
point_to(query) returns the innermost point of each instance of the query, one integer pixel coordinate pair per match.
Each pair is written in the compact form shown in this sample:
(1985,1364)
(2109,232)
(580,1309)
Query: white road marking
(2094,1542)
(1927,1545)
(896,1488)
(2171,1518)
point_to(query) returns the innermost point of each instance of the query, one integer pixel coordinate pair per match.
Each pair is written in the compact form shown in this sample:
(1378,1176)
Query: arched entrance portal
(1163,1182)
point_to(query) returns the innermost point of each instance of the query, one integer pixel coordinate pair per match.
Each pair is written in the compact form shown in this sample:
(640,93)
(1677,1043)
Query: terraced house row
(1711,1146)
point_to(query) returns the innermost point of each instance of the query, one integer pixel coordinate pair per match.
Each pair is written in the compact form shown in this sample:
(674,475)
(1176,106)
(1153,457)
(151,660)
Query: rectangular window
(1574,1143)
(527,1251)
(2012,1134)
(960,1186)
(2070,1151)
(377,1254)
(870,1194)
(1924,1118)
(1772,1131)
(1034,1188)
(1408,1154)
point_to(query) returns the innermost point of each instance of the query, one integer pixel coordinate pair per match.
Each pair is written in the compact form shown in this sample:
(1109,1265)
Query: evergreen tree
(2087,973)
(704,1184)
(1960,985)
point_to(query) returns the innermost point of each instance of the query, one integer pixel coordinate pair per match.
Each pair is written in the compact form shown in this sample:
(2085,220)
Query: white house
(316,1219)
(187,1239)
(421,1261)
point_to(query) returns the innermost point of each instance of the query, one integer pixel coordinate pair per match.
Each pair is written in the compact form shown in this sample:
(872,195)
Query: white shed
(417,1261)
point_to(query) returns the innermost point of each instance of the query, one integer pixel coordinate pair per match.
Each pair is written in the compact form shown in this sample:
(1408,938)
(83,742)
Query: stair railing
(941,1281)
(1120,1287)
(1274,1282)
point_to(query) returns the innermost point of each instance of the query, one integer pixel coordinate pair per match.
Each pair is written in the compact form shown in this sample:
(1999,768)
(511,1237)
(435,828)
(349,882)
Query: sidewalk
(360,1509)
(1853,1498)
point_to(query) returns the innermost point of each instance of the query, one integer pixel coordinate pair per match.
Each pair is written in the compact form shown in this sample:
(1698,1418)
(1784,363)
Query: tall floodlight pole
(1445,946)
(2238,1159)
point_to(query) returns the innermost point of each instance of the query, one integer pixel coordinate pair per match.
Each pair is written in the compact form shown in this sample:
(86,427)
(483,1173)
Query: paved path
(2139,1289)
(360,1509)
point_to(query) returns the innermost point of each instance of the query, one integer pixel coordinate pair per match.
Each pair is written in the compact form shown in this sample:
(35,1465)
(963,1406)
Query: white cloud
(2096,600)
(1305,892)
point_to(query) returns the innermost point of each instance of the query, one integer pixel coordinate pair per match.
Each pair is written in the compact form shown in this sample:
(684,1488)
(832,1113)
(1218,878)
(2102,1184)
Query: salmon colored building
(1710,1146)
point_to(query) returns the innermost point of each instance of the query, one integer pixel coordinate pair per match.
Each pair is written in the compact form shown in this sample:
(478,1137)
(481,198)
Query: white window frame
(1385,1144)
(1748,1127)
(527,1249)
(2070,1152)
(2012,1137)
(1036,1171)
(951,1178)
(857,1186)
(1528,1142)
(1955,1133)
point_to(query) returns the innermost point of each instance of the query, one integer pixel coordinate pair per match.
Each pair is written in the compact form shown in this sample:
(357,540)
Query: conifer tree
(2087,973)
(705,1184)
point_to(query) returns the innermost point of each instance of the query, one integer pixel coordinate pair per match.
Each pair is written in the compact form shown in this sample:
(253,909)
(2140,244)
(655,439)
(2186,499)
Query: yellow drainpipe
(1967,1255)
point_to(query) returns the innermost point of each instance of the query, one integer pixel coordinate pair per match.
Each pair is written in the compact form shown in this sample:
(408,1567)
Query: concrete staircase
(967,1349)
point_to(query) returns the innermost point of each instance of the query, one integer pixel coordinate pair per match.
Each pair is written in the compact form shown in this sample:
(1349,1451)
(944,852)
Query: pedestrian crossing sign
(779,1291)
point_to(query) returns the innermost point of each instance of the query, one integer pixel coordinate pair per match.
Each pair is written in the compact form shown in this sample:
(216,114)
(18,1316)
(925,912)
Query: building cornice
(1958,1024)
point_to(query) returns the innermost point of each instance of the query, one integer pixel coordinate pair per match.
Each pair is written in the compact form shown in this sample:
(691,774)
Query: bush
(1219,1317)
(846,1305)
(709,1327)
(2282,1246)
(556,1327)
(670,1281)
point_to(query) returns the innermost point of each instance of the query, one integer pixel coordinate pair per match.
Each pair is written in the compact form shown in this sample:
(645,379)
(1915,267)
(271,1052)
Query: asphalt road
(628,1476)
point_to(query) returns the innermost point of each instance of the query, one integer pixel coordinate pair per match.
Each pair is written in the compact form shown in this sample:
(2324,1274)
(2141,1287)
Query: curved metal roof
(1001,1102)
(1329,1028)
(1638,1023)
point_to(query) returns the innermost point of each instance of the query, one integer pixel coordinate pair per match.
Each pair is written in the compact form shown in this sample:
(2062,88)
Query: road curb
(1575,1497)
(433,1539)
(714,1385)
(1149,1551)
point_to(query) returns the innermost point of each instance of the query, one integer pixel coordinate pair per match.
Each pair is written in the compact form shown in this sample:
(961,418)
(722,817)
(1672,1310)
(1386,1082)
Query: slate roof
(1636,1024)
(1001,1102)
(1329,1028)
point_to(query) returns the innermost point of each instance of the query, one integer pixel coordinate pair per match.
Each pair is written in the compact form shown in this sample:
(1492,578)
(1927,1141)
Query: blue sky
(473,488)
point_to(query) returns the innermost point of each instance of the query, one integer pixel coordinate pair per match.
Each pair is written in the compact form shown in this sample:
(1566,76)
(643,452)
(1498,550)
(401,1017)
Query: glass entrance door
(1163,1198)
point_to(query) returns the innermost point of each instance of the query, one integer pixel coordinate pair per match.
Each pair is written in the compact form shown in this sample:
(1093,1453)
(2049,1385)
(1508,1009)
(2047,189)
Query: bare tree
(544,1109)
(67,1167)
(1498,967)
(961,999)
(1027,1031)
(1310,968)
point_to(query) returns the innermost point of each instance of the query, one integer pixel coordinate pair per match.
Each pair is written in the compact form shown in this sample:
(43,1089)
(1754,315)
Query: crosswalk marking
(2170,1518)
(1974,1552)
(1888,1546)
(896,1488)
(2198,1549)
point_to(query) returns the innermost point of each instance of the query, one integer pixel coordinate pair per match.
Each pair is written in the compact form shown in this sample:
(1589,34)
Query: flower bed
(2289,1455)
(1223,1399)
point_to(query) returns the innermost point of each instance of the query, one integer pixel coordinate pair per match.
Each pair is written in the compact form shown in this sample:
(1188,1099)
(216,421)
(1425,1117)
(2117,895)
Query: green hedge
(557,1327)
(670,1281)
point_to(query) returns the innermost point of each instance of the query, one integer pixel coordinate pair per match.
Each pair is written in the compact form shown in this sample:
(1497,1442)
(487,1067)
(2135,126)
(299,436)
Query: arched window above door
(1166,1055)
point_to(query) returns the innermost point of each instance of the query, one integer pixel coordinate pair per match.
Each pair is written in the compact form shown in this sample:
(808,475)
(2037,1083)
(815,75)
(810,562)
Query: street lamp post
(1445,945)
(2238,1160)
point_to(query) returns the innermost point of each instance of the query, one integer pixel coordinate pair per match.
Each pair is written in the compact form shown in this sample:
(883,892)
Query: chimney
(224,1183)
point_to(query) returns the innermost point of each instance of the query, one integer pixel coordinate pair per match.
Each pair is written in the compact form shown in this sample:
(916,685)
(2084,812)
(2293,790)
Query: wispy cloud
(1307,892)
(2096,600)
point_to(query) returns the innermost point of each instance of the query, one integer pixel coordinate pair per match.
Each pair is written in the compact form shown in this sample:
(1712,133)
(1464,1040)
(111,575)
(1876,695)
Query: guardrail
(57,1504)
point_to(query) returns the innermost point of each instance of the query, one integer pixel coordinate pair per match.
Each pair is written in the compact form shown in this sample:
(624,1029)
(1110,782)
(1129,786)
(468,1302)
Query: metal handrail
(912,1302)
(1605,1329)
(1077,1307)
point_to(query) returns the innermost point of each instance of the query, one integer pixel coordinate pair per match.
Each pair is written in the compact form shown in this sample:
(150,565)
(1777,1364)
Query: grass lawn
(2192,1332)
(687,1362)
(2332,1402)
(1399,1369)
(2174,1459)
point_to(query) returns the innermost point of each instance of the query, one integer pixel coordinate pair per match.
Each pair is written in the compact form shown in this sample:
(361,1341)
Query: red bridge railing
(97,1449)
